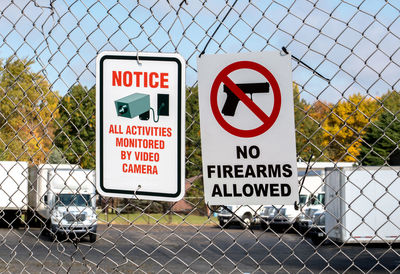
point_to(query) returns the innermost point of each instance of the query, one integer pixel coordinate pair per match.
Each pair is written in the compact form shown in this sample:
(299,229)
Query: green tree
(308,131)
(27,112)
(56,157)
(380,144)
(75,135)
(193,148)
(195,193)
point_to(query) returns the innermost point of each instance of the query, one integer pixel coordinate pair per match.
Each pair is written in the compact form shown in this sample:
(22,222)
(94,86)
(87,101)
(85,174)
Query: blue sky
(340,39)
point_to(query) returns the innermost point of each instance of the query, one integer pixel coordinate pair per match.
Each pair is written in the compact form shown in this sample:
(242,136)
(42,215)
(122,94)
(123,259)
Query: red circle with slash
(268,121)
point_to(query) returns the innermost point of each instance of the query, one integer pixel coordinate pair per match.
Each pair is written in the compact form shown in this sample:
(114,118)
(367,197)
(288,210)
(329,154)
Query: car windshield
(282,211)
(72,200)
(267,210)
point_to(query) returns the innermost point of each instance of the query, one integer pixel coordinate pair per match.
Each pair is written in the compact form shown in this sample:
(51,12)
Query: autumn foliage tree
(345,125)
(27,110)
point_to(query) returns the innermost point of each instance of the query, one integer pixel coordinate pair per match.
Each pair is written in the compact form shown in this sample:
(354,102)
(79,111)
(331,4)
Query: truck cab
(66,200)
(313,205)
(72,203)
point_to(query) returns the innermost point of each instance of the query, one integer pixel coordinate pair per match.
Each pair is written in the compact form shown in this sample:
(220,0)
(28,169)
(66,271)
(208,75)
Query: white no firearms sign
(140,106)
(247,129)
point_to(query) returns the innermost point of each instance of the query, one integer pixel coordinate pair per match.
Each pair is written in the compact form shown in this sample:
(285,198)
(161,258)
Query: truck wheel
(92,237)
(246,220)
(17,223)
(317,240)
(12,219)
(264,225)
(45,228)
(52,236)
(224,224)
(29,220)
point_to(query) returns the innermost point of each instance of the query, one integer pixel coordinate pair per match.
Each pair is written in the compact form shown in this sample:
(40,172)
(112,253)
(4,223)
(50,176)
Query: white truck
(362,204)
(64,198)
(313,187)
(310,197)
(245,216)
(312,193)
(13,192)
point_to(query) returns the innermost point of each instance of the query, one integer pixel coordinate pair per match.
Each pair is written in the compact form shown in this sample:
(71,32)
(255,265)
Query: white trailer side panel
(366,209)
(14,185)
(333,203)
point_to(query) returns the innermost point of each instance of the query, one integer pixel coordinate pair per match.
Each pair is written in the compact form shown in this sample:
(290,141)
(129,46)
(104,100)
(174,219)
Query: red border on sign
(268,121)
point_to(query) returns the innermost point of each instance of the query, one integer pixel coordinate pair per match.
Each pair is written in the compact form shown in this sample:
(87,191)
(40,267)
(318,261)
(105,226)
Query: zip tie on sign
(137,58)
(139,187)
(296,205)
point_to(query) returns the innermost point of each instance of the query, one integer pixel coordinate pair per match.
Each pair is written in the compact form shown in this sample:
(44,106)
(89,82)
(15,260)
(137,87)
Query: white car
(245,216)
(284,217)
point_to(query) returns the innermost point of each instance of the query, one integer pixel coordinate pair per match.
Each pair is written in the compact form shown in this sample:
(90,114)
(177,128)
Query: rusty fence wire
(346,67)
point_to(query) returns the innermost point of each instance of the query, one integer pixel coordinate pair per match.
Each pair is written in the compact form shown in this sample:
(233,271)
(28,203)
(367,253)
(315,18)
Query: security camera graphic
(138,104)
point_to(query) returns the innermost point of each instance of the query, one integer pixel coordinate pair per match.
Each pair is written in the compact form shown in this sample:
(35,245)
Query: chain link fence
(346,67)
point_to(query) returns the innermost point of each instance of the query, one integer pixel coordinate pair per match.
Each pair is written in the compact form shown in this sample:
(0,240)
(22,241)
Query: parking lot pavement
(176,249)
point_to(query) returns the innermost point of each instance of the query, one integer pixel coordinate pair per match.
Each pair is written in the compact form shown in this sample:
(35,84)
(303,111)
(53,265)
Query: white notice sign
(247,129)
(140,108)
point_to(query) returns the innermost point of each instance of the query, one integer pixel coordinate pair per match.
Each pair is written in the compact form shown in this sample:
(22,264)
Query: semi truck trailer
(362,204)
(13,192)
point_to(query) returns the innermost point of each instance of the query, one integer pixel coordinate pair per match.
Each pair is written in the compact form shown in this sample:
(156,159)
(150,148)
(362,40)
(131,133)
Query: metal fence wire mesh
(346,67)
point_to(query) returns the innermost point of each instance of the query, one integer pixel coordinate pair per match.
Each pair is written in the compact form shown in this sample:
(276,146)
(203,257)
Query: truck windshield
(303,199)
(72,200)
(321,198)
(317,200)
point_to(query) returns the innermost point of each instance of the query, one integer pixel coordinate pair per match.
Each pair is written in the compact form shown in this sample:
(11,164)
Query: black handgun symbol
(232,100)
